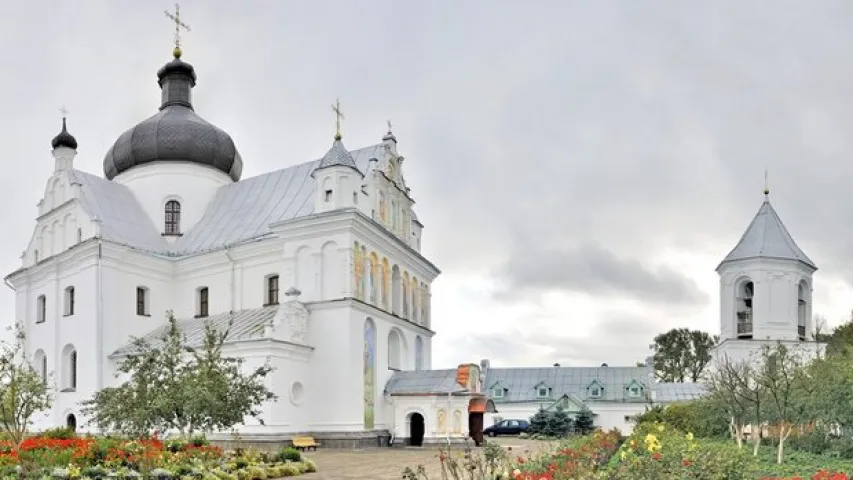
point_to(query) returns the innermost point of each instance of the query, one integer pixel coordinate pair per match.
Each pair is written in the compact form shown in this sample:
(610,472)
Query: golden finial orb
(177,52)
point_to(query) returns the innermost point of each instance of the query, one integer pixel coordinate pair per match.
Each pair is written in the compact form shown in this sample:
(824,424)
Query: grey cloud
(595,270)
(540,344)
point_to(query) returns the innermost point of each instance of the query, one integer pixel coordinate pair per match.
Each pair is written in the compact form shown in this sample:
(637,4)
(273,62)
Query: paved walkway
(386,463)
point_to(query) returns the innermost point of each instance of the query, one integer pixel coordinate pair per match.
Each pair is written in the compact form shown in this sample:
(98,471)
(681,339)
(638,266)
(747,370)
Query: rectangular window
(272,290)
(328,197)
(141,301)
(595,392)
(202,302)
(634,391)
(498,393)
(41,309)
(69,301)
(542,392)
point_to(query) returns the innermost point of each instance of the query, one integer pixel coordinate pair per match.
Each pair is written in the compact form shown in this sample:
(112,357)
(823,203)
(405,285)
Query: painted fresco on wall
(457,422)
(442,421)
(374,276)
(358,266)
(365,269)
(419,353)
(386,282)
(369,372)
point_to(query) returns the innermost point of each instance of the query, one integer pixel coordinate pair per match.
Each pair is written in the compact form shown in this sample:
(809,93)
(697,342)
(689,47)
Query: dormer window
(542,392)
(498,392)
(173,218)
(634,389)
(595,389)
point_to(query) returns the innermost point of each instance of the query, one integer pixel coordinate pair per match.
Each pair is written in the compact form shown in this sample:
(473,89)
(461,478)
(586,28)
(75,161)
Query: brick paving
(386,463)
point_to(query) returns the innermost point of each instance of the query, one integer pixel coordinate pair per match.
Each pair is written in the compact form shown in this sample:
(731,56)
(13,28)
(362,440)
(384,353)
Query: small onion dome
(64,139)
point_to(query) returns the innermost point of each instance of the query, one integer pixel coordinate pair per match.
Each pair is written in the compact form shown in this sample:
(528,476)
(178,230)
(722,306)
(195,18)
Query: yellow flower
(623,455)
(660,428)
(689,436)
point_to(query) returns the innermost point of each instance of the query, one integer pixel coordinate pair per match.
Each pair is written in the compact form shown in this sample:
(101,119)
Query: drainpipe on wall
(233,293)
(100,320)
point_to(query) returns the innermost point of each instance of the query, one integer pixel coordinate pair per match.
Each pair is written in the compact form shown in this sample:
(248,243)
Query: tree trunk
(737,429)
(757,434)
(780,452)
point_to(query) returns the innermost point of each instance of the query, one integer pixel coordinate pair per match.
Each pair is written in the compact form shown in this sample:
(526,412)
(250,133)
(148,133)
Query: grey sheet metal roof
(422,382)
(520,383)
(678,392)
(247,325)
(239,212)
(337,156)
(119,213)
(767,237)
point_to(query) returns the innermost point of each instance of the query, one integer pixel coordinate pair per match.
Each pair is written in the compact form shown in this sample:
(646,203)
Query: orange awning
(477,405)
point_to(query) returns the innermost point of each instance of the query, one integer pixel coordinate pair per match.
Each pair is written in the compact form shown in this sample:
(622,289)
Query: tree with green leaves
(682,354)
(559,422)
(172,386)
(23,390)
(584,422)
(840,341)
(790,390)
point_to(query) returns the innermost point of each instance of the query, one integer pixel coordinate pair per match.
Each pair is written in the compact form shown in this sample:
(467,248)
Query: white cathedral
(318,268)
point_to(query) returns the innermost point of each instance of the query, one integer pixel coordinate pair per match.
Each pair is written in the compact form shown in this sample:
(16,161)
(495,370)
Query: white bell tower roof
(767,237)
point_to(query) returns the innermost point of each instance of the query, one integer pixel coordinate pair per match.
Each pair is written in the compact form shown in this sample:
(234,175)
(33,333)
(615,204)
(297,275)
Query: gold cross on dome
(178,24)
(338,116)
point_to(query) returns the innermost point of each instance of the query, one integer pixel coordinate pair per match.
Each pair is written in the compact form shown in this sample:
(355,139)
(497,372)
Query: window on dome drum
(142,301)
(202,302)
(79,235)
(41,309)
(68,309)
(173,218)
(355,198)
(328,197)
(272,290)
(745,294)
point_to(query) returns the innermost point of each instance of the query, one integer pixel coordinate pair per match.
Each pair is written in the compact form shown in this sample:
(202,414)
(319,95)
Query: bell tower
(765,289)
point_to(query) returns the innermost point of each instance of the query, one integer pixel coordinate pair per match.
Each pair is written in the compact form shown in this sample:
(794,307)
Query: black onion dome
(175,133)
(64,139)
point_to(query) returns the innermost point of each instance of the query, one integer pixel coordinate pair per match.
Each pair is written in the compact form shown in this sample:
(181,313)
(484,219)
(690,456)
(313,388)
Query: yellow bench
(305,443)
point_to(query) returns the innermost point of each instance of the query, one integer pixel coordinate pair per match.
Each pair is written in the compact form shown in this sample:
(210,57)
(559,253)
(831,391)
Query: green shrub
(199,440)
(59,433)
(289,454)
(291,470)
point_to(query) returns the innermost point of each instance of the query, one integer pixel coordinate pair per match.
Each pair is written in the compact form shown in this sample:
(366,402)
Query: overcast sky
(580,167)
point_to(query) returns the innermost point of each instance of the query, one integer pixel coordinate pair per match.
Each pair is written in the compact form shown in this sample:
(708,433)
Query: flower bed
(579,457)
(101,457)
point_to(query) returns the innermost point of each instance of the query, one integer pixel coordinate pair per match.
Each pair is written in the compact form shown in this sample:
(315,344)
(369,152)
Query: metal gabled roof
(767,237)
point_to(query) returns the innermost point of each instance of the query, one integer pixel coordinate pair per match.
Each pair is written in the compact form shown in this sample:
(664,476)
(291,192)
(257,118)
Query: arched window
(203,302)
(173,217)
(395,350)
(41,309)
(69,301)
(802,308)
(396,290)
(40,362)
(142,301)
(745,293)
(272,290)
(69,368)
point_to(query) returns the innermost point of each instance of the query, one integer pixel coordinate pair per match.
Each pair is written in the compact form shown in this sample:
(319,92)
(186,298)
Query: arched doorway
(71,421)
(416,429)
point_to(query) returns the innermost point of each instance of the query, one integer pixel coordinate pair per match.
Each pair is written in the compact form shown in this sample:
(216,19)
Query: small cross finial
(178,24)
(338,116)
(389,126)
(766,185)
(63,111)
